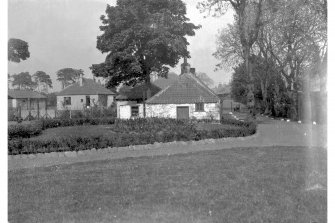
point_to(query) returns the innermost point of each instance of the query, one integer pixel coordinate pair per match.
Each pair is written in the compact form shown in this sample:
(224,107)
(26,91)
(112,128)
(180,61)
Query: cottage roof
(16,94)
(187,89)
(89,87)
(162,82)
(136,93)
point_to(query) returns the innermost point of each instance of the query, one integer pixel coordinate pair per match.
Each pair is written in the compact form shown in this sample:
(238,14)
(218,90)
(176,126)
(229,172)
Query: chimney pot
(192,70)
(81,80)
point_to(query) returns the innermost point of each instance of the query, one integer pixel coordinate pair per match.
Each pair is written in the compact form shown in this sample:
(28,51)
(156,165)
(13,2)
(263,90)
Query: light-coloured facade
(211,111)
(79,102)
(125,111)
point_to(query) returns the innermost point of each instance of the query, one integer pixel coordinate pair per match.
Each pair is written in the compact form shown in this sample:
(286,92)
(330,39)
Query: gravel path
(270,133)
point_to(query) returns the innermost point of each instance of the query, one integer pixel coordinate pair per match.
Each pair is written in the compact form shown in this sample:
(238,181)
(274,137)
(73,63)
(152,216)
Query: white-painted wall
(125,111)
(79,101)
(170,111)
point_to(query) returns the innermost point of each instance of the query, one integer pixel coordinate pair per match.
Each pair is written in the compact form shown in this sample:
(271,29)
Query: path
(270,133)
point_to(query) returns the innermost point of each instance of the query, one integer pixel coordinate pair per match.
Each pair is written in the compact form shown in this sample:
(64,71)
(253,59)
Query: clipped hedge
(24,130)
(127,132)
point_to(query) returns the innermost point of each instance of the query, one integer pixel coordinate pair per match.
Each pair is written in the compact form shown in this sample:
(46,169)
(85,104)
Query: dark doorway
(183,112)
(88,101)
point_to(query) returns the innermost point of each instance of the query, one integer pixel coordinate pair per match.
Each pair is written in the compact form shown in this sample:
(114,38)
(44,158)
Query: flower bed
(124,133)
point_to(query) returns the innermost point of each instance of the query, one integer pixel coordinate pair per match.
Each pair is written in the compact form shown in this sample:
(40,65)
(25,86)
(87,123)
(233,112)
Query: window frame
(131,110)
(201,105)
(67,100)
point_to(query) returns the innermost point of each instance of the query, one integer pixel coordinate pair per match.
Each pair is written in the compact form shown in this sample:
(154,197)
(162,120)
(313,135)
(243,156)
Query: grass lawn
(237,185)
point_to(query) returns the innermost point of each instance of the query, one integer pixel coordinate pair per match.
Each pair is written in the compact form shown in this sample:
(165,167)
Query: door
(183,112)
(88,101)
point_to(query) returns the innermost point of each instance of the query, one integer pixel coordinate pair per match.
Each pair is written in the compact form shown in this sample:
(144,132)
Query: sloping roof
(187,89)
(136,93)
(162,82)
(24,94)
(89,88)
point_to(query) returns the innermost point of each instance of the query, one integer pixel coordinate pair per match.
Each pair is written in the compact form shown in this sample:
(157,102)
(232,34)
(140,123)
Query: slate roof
(17,94)
(89,88)
(187,89)
(162,82)
(136,93)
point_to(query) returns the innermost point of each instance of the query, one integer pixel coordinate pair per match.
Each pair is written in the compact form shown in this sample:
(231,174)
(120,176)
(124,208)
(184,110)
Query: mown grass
(237,185)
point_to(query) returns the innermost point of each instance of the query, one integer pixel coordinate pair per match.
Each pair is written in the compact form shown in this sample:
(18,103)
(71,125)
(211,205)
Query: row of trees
(18,50)
(275,47)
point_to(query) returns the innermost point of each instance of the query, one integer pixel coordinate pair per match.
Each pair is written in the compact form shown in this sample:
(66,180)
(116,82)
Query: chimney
(185,67)
(81,80)
(192,70)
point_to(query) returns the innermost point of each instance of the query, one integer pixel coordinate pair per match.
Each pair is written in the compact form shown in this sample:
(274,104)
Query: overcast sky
(62,33)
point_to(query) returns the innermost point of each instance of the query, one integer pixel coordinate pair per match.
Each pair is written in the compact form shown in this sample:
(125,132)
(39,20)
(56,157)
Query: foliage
(125,133)
(23,81)
(24,130)
(51,99)
(17,50)
(68,76)
(41,77)
(141,37)
(205,79)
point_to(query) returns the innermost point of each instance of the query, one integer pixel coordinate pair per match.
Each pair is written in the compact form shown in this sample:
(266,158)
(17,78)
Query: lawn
(236,185)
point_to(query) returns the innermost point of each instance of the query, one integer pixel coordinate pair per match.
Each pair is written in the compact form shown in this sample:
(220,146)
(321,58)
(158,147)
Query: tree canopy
(68,76)
(23,81)
(40,77)
(140,37)
(17,50)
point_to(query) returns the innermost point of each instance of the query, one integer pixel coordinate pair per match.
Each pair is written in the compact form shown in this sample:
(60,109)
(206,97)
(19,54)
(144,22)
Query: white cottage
(187,98)
(85,93)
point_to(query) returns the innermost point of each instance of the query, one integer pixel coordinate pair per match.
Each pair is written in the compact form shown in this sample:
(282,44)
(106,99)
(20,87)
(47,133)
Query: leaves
(141,37)
(17,50)
(23,81)
(68,76)
(42,77)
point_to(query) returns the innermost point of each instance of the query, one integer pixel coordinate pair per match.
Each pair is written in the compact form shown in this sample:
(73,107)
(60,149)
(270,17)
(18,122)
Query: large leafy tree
(23,81)
(40,77)
(248,17)
(17,50)
(68,76)
(141,37)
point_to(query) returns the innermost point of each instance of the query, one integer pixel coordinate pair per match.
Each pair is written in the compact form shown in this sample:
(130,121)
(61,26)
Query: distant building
(84,94)
(26,100)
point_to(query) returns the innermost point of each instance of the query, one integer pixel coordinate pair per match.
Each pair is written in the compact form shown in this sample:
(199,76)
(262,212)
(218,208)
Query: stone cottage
(84,94)
(187,97)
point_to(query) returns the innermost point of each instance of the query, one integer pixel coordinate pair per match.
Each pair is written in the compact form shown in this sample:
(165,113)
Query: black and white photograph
(195,111)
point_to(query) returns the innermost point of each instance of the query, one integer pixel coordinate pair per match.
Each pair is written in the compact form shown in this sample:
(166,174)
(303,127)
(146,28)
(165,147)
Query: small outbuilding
(26,103)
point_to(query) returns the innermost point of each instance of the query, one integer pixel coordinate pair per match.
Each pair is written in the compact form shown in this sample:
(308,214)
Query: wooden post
(29,109)
(38,108)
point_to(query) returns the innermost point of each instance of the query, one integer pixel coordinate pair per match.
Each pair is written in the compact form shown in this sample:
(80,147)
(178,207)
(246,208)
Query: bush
(24,130)
(126,132)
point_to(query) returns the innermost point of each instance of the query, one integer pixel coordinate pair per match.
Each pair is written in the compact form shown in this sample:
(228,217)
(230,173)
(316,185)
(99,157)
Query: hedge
(127,132)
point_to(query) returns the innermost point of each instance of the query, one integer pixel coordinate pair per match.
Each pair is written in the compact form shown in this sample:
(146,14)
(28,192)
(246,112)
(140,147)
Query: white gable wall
(170,111)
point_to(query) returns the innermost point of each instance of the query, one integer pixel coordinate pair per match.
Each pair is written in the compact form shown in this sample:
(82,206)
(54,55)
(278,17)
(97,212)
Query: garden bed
(79,134)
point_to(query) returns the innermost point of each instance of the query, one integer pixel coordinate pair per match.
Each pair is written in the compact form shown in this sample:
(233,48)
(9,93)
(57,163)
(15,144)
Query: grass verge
(236,185)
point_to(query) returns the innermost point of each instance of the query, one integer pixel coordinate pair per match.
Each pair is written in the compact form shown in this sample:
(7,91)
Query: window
(67,100)
(134,111)
(199,106)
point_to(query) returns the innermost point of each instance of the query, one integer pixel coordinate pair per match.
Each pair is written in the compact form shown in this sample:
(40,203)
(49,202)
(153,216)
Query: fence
(15,114)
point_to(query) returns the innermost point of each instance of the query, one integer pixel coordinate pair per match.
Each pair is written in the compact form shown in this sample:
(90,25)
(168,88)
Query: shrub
(125,133)
(24,130)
